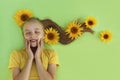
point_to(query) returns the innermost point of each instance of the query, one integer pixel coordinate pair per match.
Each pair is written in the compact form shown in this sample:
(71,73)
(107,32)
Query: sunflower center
(106,36)
(90,22)
(50,36)
(24,17)
(74,30)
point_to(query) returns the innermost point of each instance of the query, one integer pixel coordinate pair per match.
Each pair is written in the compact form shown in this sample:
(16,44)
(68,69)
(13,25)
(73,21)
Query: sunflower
(105,36)
(22,15)
(74,30)
(51,36)
(90,22)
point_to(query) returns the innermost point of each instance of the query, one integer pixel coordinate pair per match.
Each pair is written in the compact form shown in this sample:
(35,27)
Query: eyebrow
(27,30)
(35,29)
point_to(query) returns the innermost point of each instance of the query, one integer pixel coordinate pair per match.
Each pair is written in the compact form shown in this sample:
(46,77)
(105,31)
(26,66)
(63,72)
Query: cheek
(41,36)
(26,37)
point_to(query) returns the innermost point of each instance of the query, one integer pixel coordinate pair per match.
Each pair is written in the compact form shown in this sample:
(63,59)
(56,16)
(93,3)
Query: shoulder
(52,56)
(18,53)
(49,52)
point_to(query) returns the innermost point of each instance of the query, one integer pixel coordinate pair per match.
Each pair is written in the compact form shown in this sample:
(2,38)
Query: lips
(33,40)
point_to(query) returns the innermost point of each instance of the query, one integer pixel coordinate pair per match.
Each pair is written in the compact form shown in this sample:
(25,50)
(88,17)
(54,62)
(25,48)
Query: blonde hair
(33,19)
(47,23)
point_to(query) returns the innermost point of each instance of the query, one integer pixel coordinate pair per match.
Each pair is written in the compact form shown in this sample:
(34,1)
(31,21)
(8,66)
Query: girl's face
(33,32)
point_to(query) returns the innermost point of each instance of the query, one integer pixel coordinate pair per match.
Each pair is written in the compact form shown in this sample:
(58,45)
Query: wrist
(37,57)
(30,59)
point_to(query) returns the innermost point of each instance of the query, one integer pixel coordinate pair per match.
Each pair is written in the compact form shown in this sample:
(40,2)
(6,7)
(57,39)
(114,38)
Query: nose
(32,35)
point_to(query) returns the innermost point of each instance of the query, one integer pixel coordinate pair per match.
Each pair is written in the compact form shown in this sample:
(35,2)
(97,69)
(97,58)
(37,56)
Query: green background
(87,58)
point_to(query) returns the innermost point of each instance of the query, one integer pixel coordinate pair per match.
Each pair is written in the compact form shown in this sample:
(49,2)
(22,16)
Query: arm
(45,74)
(24,74)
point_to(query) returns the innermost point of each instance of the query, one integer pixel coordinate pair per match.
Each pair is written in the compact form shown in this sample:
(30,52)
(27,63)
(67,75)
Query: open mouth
(33,40)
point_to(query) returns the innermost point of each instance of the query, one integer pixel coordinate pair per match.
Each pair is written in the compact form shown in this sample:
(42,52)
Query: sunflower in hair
(74,30)
(105,36)
(90,22)
(51,36)
(22,15)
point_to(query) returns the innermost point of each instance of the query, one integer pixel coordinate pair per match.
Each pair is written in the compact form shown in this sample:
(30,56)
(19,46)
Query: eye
(27,33)
(37,32)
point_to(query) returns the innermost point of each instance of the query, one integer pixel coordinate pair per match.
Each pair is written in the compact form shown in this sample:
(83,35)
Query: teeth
(33,40)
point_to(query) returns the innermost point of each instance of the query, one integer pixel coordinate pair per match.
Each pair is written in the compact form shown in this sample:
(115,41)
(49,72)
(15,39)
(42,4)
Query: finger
(26,43)
(29,48)
(29,44)
(39,43)
(42,43)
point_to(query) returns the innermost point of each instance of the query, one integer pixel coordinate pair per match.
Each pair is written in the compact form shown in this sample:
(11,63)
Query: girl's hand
(28,49)
(39,49)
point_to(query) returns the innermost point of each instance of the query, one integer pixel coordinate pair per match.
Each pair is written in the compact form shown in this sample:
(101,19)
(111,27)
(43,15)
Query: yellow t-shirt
(19,59)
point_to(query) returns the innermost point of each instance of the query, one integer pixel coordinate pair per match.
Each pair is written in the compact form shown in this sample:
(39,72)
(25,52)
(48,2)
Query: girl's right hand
(28,49)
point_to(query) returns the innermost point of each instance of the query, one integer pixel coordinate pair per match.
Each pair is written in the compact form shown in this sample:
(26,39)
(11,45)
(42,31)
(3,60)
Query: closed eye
(27,33)
(37,32)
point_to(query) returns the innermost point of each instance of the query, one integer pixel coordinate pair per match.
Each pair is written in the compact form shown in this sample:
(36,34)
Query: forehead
(32,26)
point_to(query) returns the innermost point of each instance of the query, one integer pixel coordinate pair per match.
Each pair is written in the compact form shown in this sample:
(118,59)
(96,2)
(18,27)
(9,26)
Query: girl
(33,62)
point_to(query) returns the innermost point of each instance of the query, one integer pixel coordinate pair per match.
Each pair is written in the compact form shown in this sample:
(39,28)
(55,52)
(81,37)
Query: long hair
(48,23)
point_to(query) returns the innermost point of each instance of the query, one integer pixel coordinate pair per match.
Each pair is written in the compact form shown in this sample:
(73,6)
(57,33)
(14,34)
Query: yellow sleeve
(53,58)
(14,60)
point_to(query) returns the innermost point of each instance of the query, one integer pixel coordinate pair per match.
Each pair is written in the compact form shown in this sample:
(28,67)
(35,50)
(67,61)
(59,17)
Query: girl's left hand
(39,49)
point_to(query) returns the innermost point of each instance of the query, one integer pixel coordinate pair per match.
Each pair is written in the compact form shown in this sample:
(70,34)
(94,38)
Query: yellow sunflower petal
(22,15)
(106,36)
(90,22)
(74,30)
(51,36)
